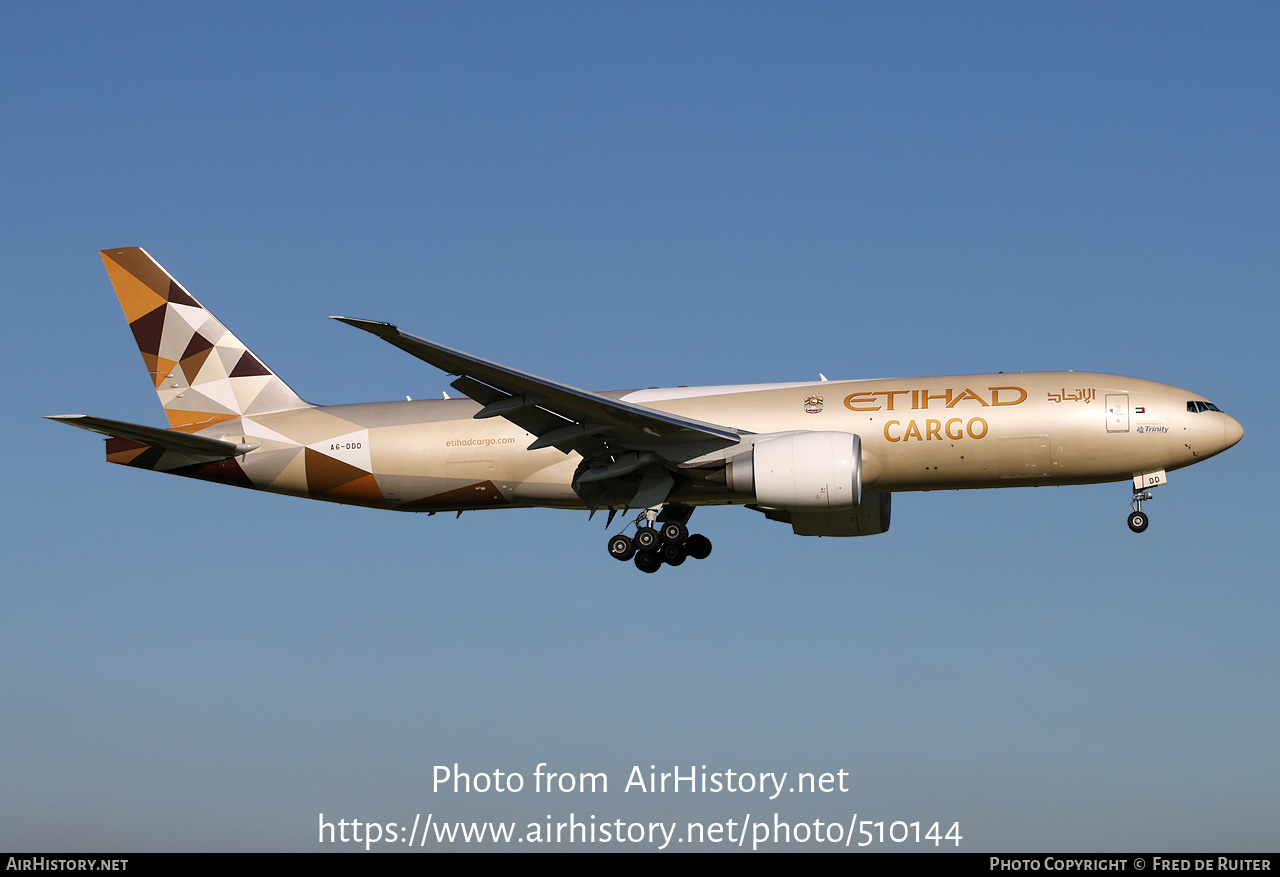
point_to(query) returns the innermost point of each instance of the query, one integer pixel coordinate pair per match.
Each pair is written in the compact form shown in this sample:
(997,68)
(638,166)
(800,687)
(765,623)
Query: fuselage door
(1117,412)
(1023,456)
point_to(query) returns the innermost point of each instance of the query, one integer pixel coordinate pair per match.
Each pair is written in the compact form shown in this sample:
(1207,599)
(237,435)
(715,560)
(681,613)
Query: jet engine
(806,471)
(811,480)
(868,519)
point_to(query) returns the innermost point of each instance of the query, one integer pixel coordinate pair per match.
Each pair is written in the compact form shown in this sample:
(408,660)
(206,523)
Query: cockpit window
(1195,407)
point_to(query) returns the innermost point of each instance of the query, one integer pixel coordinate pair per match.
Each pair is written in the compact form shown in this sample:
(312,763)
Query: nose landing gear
(1138,519)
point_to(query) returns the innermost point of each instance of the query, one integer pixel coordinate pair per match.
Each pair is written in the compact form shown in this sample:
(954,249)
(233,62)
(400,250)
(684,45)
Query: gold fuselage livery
(823,456)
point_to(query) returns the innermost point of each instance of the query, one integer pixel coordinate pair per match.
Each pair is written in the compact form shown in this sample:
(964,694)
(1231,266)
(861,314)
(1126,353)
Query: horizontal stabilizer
(164,439)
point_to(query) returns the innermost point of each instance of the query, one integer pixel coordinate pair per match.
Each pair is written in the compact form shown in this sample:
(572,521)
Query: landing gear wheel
(672,553)
(1138,521)
(674,532)
(647,561)
(647,539)
(621,548)
(698,546)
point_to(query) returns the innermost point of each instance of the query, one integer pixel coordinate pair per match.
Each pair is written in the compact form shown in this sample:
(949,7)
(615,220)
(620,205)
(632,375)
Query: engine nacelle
(803,471)
(868,519)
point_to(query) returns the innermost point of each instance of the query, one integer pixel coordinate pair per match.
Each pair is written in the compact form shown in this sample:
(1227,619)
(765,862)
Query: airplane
(825,456)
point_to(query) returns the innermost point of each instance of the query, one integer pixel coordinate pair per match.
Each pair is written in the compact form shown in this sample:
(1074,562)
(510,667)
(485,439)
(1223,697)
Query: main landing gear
(669,543)
(1138,519)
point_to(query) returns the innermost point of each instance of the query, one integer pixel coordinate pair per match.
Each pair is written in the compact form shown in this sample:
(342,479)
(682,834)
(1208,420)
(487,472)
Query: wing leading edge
(560,415)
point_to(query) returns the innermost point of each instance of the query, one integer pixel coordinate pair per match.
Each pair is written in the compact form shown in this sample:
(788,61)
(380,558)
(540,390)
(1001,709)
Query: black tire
(647,539)
(673,531)
(1138,521)
(698,546)
(647,561)
(621,548)
(672,553)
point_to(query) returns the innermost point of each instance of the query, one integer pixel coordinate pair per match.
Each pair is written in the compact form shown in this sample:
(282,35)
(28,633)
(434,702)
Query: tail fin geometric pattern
(202,373)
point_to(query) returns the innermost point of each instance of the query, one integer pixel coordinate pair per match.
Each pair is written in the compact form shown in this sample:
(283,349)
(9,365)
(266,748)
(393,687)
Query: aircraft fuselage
(937,433)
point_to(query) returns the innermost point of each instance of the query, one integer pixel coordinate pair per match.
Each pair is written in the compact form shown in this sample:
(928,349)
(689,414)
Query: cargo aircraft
(823,456)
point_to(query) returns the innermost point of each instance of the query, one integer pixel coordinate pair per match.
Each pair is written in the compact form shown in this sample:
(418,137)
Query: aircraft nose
(1232,431)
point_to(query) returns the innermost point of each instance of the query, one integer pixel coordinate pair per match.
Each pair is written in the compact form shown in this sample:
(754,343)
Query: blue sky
(624,196)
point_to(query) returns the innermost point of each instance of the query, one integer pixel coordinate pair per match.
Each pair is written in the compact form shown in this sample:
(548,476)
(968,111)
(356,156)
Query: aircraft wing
(562,416)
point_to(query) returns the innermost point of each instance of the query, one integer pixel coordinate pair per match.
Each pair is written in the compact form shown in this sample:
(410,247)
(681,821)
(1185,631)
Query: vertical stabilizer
(202,373)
